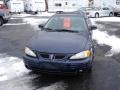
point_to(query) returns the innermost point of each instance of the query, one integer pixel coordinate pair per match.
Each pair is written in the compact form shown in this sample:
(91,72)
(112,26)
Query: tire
(115,14)
(97,15)
(1,21)
(6,21)
(27,12)
(111,14)
(36,12)
(19,12)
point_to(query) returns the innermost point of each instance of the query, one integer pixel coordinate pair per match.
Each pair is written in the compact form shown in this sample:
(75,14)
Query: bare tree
(46,3)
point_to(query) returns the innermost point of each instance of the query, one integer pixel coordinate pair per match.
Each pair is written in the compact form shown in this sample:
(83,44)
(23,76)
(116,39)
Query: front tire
(97,15)
(36,12)
(19,12)
(6,21)
(111,14)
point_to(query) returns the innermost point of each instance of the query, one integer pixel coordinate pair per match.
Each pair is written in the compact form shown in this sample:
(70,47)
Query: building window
(117,2)
(58,4)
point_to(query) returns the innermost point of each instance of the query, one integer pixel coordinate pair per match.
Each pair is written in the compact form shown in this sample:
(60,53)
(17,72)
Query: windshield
(71,23)
(86,8)
(89,8)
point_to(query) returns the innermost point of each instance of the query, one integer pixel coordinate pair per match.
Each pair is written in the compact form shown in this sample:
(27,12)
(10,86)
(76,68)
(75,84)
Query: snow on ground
(14,68)
(14,24)
(20,16)
(55,86)
(102,37)
(40,14)
(108,19)
(34,22)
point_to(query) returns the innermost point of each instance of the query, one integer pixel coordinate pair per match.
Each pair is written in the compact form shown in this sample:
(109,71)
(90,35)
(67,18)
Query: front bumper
(47,66)
(116,13)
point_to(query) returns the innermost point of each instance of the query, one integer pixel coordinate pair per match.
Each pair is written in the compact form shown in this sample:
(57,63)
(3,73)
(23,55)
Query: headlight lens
(81,55)
(29,52)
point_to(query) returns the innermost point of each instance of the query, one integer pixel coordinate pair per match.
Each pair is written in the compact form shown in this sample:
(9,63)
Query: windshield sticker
(66,23)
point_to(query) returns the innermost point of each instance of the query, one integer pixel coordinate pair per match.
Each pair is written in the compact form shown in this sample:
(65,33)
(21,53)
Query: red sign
(67,23)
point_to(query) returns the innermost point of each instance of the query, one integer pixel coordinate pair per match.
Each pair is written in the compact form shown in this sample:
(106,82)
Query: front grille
(59,56)
(50,56)
(44,55)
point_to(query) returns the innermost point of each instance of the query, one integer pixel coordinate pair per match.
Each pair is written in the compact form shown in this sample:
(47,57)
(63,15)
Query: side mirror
(41,26)
(93,27)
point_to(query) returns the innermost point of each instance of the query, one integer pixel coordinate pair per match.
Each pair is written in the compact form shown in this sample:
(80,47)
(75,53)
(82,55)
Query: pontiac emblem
(51,57)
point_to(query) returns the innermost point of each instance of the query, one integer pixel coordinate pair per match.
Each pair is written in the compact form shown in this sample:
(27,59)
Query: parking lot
(14,76)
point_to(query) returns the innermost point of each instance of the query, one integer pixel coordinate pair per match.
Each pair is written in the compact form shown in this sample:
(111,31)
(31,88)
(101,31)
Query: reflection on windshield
(73,23)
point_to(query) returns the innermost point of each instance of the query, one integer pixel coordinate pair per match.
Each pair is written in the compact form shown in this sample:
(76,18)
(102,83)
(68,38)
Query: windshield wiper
(60,30)
(65,30)
(47,28)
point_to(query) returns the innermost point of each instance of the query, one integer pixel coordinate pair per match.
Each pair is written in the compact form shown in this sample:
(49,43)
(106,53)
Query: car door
(99,11)
(105,11)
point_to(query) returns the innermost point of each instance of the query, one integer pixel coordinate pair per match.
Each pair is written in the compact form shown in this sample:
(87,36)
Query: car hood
(89,10)
(58,42)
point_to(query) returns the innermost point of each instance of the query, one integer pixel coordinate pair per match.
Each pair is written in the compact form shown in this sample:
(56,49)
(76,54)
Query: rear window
(74,23)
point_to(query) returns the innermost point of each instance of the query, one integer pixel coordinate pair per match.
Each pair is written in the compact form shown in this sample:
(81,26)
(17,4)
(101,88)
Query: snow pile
(56,86)
(107,19)
(34,22)
(102,37)
(12,68)
(45,14)
(14,24)
(5,57)
(20,16)
(3,75)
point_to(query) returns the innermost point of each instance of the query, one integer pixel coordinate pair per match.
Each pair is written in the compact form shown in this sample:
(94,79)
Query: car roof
(78,13)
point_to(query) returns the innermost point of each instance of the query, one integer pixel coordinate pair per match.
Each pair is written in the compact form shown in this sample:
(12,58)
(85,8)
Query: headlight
(81,55)
(29,52)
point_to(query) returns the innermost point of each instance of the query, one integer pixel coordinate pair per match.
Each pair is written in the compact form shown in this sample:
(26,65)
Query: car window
(105,8)
(73,23)
(96,8)
(85,8)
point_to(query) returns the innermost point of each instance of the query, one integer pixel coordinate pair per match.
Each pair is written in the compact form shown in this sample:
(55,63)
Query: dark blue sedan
(63,45)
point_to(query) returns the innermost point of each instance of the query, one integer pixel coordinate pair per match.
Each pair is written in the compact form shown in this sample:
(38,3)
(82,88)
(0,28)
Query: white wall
(35,5)
(72,5)
(1,2)
(107,3)
(16,6)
